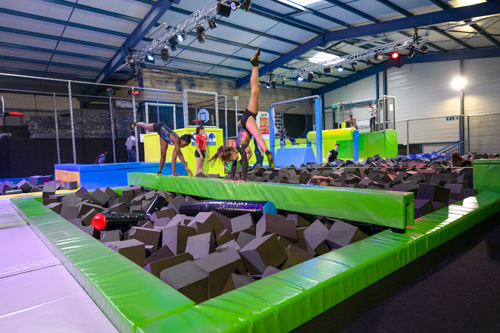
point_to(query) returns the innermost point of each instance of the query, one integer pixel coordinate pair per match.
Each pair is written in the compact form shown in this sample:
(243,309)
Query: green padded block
(363,145)
(391,144)
(376,144)
(486,175)
(391,209)
(345,150)
(125,292)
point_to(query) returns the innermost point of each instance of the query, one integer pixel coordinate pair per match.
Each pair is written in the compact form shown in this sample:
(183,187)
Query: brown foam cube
(270,270)
(119,208)
(45,201)
(243,223)
(87,218)
(434,193)
(236,281)
(179,219)
(210,219)
(232,253)
(71,199)
(48,189)
(219,268)
(145,224)
(295,256)
(87,207)
(82,193)
(55,206)
(244,238)
(128,195)
(188,279)
(456,191)
(71,185)
(145,235)
(155,267)
(230,244)
(299,220)
(262,252)
(70,211)
(200,245)
(276,224)
(131,249)
(223,236)
(99,197)
(162,253)
(342,234)
(163,213)
(176,202)
(201,228)
(423,207)
(315,236)
(24,186)
(284,242)
(175,237)
(111,236)
(136,209)
(226,221)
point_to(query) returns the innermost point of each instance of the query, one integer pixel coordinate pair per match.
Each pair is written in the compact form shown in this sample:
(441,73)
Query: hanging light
(283,83)
(328,69)
(223,10)
(354,66)
(394,55)
(173,42)
(378,57)
(150,57)
(340,68)
(164,54)
(212,24)
(235,4)
(299,78)
(310,77)
(320,73)
(181,36)
(424,48)
(411,51)
(200,34)
(246,5)
(273,83)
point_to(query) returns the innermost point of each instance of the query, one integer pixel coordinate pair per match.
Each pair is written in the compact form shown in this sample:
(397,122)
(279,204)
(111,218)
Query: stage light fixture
(340,68)
(378,57)
(354,66)
(320,73)
(299,78)
(223,10)
(458,83)
(200,34)
(283,83)
(150,58)
(164,54)
(273,83)
(212,24)
(424,48)
(181,36)
(173,42)
(235,5)
(143,64)
(411,51)
(132,68)
(328,69)
(246,5)
(310,77)
(368,62)
(268,84)
(394,55)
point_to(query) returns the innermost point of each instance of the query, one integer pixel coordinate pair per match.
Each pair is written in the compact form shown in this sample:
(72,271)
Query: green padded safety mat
(125,292)
(486,175)
(385,208)
(287,299)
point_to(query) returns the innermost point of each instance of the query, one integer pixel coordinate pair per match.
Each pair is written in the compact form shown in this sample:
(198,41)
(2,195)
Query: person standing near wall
(201,149)
(352,122)
(373,115)
(130,144)
(101,158)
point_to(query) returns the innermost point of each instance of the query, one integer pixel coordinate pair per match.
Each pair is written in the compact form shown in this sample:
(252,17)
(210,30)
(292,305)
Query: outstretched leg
(147,127)
(244,161)
(163,147)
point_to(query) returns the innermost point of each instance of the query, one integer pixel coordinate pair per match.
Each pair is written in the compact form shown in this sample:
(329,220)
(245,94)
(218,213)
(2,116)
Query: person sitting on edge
(351,121)
(333,154)
(248,128)
(101,158)
(458,161)
(201,151)
(168,136)
(372,111)
(320,180)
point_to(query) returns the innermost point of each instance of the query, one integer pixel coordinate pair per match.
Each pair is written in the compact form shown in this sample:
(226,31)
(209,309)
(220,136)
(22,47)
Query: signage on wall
(451,118)
(134,92)
(211,141)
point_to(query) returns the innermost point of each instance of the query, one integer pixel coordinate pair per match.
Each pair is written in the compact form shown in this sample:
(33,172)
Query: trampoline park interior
(391,236)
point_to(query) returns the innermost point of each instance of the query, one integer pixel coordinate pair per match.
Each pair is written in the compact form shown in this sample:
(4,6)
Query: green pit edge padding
(290,298)
(385,208)
(486,175)
(127,294)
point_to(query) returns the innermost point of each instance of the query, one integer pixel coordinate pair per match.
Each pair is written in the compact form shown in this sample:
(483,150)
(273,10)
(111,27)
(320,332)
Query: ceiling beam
(454,14)
(458,55)
(154,14)
(94,10)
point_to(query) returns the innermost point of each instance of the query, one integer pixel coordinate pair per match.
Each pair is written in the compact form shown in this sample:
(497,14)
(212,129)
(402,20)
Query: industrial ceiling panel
(25,65)
(93,36)
(227,72)
(39,8)
(11,21)
(416,6)
(34,42)
(249,20)
(131,8)
(24,54)
(75,71)
(244,65)
(211,45)
(207,58)
(172,18)
(102,21)
(249,53)
(274,6)
(85,49)
(191,5)
(375,9)
(291,33)
(449,45)
(271,44)
(479,42)
(318,21)
(78,61)
(344,15)
(232,34)
(188,66)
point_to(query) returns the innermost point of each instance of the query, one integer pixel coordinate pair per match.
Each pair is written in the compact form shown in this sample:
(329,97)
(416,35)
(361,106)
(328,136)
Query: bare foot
(175,175)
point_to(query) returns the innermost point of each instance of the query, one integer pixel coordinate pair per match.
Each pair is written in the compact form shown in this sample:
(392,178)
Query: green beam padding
(486,175)
(385,208)
(125,292)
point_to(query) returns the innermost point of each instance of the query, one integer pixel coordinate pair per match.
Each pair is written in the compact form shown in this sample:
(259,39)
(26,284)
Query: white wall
(424,91)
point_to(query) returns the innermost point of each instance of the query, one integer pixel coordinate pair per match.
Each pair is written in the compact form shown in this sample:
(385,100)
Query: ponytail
(187,138)
(223,153)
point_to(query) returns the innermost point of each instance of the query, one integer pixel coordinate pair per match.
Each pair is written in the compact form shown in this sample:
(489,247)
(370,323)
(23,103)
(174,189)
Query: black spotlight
(246,5)
(310,77)
(299,78)
(164,54)
(378,57)
(424,48)
(132,68)
(181,36)
(328,69)
(223,10)
(320,73)
(200,33)
(150,57)
(411,51)
(368,62)
(283,83)
(143,64)
(173,43)
(235,5)
(211,23)
(354,66)
(273,83)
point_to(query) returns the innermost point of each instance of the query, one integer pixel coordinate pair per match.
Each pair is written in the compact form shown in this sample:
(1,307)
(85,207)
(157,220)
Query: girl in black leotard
(168,136)
(248,128)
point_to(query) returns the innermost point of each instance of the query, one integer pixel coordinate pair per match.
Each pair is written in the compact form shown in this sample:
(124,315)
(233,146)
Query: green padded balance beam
(486,175)
(385,208)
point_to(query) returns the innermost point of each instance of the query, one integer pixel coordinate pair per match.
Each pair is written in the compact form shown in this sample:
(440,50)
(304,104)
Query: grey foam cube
(188,279)
(262,252)
(277,224)
(156,266)
(315,236)
(175,237)
(219,268)
(146,236)
(200,245)
(342,234)
(132,249)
